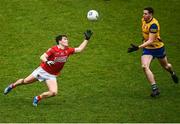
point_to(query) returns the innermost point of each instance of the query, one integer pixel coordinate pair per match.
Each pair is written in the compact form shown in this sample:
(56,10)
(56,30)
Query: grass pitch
(102,84)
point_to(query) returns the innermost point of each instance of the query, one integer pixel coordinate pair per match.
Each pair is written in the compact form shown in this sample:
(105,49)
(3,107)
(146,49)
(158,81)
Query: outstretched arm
(82,46)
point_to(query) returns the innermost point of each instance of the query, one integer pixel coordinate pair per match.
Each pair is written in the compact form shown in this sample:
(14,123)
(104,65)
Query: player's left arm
(82,46)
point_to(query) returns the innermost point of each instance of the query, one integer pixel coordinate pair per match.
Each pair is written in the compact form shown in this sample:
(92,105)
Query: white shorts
(42,75)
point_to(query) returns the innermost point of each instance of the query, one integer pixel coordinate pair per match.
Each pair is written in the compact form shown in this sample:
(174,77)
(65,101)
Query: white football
(92,15)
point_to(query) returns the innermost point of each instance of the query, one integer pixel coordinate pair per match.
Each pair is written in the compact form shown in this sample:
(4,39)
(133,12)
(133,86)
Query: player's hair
(150,10)
(59,37)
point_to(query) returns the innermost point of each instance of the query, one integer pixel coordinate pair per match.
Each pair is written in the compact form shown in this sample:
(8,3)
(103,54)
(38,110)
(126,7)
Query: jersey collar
(61,48)
(149,20)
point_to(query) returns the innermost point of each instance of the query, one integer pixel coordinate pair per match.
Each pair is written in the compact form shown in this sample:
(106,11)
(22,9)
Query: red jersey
(59,56)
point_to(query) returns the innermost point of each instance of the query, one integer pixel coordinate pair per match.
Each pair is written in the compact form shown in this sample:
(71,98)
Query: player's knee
(168,66)
(21,80)
(145,67)
(53,93)
(25,81)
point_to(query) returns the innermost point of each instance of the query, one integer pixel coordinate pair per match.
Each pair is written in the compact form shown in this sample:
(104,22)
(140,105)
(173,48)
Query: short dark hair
(59,37)
(150,10)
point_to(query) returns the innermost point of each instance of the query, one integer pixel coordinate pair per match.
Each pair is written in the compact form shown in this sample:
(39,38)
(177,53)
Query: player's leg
(52,91)
(168,67)
(27,80)
(146,61)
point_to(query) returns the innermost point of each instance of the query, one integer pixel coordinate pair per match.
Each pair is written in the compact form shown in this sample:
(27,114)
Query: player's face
(64,41)
(146,15)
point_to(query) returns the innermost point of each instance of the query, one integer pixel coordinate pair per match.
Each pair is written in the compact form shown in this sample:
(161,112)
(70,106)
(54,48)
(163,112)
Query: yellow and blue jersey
(152,27)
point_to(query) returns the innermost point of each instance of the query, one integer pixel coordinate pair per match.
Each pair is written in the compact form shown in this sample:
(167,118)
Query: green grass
(102,84)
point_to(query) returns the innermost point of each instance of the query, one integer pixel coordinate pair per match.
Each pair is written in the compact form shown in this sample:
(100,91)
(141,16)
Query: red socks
(13,86)
(39,98)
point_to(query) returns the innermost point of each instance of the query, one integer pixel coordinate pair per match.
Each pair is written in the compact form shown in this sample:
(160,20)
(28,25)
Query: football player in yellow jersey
(153,47)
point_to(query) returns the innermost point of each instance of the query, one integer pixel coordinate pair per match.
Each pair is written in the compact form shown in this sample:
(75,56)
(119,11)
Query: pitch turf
(102,84)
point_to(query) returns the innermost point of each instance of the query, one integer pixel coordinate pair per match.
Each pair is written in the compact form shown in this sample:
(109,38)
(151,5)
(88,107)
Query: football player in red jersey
(52,62)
